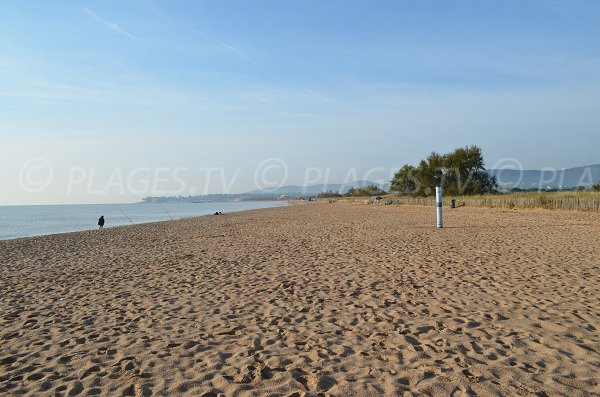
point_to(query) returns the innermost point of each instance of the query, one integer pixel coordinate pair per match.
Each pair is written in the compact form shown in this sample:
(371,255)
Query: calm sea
(36,220)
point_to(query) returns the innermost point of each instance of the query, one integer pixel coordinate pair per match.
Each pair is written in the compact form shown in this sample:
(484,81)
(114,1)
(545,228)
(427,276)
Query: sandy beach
(308,300)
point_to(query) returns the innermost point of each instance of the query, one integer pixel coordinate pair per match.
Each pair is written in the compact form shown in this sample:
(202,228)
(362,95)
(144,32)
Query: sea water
(35,220)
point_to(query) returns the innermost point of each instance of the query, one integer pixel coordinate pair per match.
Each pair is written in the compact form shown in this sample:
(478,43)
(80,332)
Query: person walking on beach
(101,222)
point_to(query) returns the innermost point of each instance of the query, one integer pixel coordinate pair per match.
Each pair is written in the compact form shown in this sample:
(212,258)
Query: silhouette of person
(101,222)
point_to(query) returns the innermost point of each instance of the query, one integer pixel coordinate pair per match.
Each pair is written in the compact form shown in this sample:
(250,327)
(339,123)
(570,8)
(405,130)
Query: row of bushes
(364,191)
(581,201)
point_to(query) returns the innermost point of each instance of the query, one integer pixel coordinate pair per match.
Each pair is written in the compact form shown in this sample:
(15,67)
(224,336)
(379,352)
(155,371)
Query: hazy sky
(111,101)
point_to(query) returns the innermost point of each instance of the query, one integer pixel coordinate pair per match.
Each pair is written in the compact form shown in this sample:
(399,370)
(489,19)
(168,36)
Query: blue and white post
(438,203)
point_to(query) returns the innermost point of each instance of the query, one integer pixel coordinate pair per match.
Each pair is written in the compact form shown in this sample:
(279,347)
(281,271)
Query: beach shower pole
(438,203)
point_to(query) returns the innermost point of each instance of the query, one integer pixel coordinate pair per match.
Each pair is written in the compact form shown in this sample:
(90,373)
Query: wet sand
(312,300)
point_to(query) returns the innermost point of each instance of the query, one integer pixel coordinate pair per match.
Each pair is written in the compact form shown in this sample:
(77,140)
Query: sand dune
(313,300)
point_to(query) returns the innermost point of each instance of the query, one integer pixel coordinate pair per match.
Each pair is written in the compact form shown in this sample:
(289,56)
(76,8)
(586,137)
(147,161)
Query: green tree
(596,187)
(466,174)
(405,180)
(364,191)
(429,173)
(329,194)
(459,172)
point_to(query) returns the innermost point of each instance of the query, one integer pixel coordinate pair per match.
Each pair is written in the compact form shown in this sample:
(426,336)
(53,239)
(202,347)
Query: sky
(111,101)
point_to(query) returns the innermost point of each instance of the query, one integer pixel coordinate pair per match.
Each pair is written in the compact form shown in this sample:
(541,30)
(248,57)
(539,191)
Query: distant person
(101,222)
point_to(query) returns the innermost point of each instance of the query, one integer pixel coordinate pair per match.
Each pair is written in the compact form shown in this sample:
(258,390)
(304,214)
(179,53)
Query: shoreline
(291,203)
(131,224)
(297,202)
(305,300)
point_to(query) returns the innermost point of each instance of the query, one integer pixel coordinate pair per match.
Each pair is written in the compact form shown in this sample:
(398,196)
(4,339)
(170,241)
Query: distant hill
(291,191)
(584,176)
(565,178)
(526,179)
(296,190)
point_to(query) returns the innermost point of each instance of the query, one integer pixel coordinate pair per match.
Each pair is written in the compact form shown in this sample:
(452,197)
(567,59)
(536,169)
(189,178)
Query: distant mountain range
(507,179)
(295,190)
(291,191)
(526,179)
(556,179)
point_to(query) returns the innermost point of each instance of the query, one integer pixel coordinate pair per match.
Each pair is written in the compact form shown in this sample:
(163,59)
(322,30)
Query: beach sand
(311,300)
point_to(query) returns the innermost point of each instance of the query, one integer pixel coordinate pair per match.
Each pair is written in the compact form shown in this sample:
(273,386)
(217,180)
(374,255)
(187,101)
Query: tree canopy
(460,172)
(370,190)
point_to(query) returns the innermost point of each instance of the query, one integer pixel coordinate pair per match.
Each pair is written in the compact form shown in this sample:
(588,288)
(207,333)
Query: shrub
(329,194)
(370,190)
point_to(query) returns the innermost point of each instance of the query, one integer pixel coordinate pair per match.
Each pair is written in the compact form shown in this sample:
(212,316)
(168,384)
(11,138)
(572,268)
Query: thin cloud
(110,25)
(316,94)
(234,50)
(226,46)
